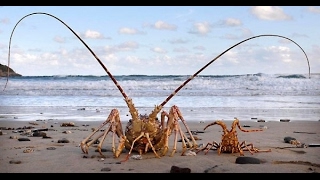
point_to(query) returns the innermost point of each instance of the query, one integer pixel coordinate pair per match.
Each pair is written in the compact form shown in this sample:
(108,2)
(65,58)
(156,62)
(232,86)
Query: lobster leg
(137,138)
(252,149)
(209,146)
(173,124)
(114,126)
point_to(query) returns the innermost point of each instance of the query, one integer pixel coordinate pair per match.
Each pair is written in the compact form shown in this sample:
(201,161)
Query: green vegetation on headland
(4,71)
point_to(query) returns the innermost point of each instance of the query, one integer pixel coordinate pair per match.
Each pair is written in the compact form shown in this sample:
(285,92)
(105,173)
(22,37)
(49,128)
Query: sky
(160,40)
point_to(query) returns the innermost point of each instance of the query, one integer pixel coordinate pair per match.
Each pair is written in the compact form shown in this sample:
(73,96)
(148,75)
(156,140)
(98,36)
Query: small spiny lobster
(229,140)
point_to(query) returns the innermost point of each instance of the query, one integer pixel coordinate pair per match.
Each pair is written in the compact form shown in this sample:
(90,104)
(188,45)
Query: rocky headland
(4,71)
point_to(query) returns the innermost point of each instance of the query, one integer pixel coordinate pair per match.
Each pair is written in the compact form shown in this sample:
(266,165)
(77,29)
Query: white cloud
(284,52)
(202,48)
(164,26)
(131,31)
(158,50)
(178,41)
(201,28)
(314,9)
(59,39)
(93,34)
(128,46)
(271,13)
(133,59)
(232,22)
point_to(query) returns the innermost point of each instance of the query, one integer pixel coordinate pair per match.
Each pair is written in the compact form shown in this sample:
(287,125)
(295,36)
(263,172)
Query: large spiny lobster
(143,132)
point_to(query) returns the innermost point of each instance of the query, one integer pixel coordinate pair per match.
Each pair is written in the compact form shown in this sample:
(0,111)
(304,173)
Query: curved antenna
(195,74)
(110,75)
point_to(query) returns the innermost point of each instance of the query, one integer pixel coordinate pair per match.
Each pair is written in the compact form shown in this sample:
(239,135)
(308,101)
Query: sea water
(205,98)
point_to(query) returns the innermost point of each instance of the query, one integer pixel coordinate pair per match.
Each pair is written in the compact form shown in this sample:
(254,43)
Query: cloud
(283,52)
(178,41)
(130,31)
(90,34)
(314,9)
(59,39)
(133,59)
(245,33)
(200,28)
(270,13)
(4,21)
(202,48)
(158,50)
(181,50)
(232,22)
(164,26)
(127,46)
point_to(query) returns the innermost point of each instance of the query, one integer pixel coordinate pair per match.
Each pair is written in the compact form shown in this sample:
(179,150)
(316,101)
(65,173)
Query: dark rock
(288,139)
(23,139)
(284,120)
(176,169)
(63,140)
(102,150)
(106,169)
(15,162)
(247,160)
(46,137)
(39,134)
(51,148)
(42,129)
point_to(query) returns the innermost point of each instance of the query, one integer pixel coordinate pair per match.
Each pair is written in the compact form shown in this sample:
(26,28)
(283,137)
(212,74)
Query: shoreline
(49,156)
(100,113)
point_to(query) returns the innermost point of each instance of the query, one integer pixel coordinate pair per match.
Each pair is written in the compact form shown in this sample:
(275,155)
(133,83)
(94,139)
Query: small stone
(39,134)
(23,139)
(288,139)
(247,160)
(102,150)
(13,137)
(15,162)
(284,120)
(51,148)
(106,169)
(63,140)
(28,150)
(46,137)
(176,169)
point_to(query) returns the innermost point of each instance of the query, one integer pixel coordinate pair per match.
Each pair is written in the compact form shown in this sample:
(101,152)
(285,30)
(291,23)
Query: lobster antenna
(204,67)
(100,62)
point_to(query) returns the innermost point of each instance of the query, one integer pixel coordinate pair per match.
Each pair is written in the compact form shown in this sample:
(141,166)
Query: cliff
(4,71)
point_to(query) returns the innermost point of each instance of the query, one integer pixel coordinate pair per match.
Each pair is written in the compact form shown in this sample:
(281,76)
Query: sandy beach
(51,154)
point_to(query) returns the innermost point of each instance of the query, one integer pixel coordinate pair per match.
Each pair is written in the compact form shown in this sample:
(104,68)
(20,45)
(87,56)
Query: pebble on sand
(247,160)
